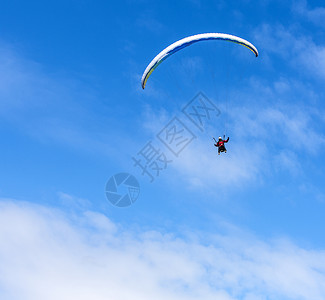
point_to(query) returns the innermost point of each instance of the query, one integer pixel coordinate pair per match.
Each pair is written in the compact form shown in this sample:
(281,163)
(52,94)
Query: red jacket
(221,142)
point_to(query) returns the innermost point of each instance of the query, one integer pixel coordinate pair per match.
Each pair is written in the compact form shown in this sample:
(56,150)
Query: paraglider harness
(221,144)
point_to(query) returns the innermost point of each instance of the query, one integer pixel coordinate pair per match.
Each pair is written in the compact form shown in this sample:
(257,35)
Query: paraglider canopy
(185,42)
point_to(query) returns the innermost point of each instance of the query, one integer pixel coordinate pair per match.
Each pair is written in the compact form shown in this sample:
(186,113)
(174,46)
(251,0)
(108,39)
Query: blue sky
(243,225)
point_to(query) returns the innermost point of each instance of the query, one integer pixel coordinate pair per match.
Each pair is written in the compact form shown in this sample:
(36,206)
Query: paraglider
(185,42)
(221,144)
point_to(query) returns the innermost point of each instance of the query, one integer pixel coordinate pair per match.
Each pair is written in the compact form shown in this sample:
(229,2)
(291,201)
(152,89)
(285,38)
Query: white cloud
(45,255)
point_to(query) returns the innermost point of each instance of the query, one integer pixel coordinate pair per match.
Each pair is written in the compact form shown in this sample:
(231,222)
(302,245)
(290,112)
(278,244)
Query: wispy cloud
(200,165)
(52,106)
(263,139)
(69,200)
(302,53)
(315,15)
(44,255)
(148,22)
